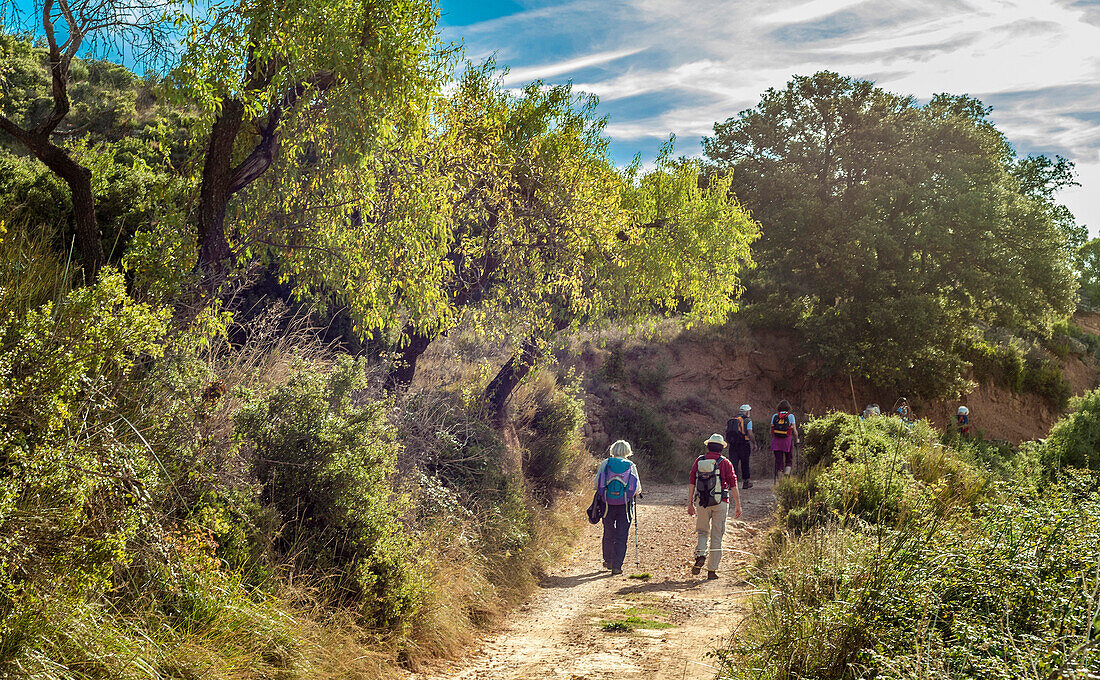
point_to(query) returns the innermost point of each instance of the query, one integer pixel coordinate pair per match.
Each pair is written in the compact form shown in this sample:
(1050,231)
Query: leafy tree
(890,229)
(528,191)
(1089,265)
(544,234)
(674,247)
(84,24)
(318,92)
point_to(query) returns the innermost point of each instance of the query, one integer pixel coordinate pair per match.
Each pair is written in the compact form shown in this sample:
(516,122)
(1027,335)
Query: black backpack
(781,424)
(736,426)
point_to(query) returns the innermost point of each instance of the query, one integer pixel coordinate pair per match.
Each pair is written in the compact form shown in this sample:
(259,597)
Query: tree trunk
(79,180)
(401,375)
(214,194)
(510,375)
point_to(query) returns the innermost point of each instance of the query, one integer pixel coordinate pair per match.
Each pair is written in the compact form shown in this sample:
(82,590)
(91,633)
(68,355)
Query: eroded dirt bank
(559,632)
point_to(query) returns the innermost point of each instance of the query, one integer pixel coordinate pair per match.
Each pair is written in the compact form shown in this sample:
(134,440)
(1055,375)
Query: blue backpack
(619,481)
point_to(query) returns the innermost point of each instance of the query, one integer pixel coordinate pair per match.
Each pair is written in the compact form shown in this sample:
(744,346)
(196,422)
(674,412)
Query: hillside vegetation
(293,361)
(904,554)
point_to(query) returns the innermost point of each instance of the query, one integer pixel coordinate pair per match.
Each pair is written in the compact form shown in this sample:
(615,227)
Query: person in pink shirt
(784,438)
(710,483)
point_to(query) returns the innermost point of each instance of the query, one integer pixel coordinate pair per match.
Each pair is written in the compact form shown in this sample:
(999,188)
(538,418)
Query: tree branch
(263,154)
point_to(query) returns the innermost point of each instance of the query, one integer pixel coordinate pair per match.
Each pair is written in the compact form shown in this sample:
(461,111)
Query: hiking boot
(698,564)
(616,572)
(746,485)
(712,575)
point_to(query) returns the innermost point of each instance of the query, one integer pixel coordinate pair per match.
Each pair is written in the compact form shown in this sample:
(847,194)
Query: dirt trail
(558,633)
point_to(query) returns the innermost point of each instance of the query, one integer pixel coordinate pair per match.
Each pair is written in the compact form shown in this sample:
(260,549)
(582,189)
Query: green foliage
(1010,366)
(911,560)
(1074,441)
(118,126)
(326,461)
(646,429)
(877,470)
(75,476)
(1088,265)
(552,454)
(889,229)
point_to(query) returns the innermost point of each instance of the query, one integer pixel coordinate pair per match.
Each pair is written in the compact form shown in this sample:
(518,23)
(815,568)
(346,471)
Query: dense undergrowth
(902,553)
(174,504)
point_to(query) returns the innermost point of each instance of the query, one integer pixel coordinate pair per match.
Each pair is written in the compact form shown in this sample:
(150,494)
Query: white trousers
(710,522)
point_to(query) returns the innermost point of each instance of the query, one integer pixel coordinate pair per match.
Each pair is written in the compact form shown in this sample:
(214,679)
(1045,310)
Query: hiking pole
(637,562)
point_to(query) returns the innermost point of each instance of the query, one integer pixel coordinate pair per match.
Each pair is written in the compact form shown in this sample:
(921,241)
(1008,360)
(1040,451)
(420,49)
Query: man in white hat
(741,443)
(711,482)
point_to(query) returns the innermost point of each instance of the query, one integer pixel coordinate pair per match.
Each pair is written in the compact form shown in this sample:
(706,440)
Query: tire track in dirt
(557,633)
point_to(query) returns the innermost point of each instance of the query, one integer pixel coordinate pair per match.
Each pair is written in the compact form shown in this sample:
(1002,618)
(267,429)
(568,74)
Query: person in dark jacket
(742,443)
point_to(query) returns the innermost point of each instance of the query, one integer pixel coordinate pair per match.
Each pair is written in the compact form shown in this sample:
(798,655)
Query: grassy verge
(176,505)
(901,558)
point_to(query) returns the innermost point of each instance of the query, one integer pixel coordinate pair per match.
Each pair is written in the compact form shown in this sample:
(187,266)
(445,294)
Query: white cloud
(544,71)
(808,11)
(678,66)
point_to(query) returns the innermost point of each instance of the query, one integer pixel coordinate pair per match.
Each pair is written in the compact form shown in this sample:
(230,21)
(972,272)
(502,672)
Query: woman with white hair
(962,420)
(618,482)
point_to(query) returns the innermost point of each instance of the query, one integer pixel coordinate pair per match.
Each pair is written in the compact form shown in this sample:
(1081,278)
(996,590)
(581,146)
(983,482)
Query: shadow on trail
(662,586)
(572,581)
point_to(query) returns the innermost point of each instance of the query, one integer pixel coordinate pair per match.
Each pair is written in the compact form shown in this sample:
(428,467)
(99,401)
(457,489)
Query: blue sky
(677,66)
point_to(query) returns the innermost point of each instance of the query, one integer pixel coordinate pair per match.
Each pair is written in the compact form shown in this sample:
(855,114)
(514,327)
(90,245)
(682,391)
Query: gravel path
(559,633)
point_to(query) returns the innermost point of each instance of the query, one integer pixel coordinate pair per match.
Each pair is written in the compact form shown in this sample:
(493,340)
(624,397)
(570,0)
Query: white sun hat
(716,439)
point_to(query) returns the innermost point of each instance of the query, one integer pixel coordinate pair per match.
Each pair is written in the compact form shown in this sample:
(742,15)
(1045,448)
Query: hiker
(871,410)
(904,412)
(784,438)
(711,482)
(617,479)
(741,443)
(963,421)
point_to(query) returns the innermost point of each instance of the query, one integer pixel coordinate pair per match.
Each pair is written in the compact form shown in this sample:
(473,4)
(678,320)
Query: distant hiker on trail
(963,421)
(742,443)
(904,412)
(711,482)
(784,438)
(617,479)
(871,410)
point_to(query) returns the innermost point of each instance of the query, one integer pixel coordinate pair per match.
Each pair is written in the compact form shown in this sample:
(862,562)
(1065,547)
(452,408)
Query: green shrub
(1008,365)
(1045,378)
(651,379)
(326,457)
(613,368)
(647,431)
(1007,593)
(879,471)
(1074,441)
(554,451)
(74,477)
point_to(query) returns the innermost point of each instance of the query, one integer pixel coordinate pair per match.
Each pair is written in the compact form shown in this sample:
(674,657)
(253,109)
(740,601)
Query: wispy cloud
(808,11)
(544,71)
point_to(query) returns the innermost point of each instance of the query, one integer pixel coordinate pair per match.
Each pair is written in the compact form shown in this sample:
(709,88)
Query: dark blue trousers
(739,456)
(616,531)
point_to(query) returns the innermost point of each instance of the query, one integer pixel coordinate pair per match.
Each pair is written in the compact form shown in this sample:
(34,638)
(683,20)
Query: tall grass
(192,499)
